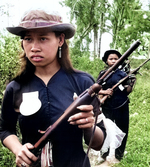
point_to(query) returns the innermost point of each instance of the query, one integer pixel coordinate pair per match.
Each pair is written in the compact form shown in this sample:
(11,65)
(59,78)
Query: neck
(46,73)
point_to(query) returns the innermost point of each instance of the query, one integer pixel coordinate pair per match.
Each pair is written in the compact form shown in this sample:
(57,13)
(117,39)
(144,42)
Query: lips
(36,58)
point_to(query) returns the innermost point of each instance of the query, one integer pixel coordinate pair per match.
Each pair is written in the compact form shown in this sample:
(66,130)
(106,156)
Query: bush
(9,50)
(84,63)
(7,159)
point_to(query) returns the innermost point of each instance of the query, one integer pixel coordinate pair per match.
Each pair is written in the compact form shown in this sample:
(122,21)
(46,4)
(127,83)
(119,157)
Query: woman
(41,92)
(116,106)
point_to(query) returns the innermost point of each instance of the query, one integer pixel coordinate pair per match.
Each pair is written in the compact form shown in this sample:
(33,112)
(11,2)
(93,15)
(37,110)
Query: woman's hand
(24,158)
(85,118)
(108,92)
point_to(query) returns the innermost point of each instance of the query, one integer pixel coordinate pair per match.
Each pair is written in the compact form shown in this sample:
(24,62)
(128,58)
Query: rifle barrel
(120,61)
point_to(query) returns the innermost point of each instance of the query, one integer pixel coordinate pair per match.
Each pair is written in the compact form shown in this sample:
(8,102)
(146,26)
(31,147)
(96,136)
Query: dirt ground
(95,158)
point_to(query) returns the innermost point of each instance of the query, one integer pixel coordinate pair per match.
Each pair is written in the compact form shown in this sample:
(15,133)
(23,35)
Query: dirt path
(95,158)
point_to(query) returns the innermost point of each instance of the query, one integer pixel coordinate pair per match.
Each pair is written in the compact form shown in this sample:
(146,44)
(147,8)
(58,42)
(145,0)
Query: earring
(60,52)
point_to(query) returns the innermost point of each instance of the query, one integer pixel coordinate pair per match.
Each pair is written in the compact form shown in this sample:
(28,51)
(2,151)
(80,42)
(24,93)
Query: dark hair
(27,69)
(64,61)
(108,52)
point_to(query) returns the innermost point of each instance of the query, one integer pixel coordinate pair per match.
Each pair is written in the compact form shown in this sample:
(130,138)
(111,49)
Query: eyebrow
(43,34)
(39,33)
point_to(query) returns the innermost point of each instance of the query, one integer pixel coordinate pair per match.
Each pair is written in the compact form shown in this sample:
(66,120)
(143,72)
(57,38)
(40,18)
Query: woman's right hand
(108,92)
(24,158)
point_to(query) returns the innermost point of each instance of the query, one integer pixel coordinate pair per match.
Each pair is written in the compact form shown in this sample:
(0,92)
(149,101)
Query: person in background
(116,106)
(41,92)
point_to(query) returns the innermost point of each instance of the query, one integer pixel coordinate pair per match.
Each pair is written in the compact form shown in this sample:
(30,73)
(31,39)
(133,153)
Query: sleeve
(83,81)
(89,81)
(8,117)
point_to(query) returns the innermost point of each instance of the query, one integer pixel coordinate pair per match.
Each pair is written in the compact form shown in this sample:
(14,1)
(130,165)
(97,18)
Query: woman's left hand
(85,118)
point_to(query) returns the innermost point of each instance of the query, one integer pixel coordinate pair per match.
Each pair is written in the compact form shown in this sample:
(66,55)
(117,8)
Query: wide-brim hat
(108,52)
(37,19)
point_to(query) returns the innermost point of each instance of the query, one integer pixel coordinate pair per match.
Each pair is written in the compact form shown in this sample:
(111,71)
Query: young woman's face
(41,47)
(111,60)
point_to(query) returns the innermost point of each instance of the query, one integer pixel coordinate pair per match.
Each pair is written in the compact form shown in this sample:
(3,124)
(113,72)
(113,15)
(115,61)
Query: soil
(95,158)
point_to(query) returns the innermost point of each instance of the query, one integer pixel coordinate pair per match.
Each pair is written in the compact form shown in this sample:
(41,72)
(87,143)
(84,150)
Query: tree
(124,20)
(88,15)
(127,23)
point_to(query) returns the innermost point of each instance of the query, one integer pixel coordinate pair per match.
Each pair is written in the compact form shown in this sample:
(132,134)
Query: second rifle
(102,100)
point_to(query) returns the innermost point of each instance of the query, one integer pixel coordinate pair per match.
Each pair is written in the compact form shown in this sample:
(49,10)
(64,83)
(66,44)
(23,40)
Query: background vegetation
(127,22)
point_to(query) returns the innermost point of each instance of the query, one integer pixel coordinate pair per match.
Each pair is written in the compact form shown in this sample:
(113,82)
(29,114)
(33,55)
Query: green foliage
(138,150)
(125,20)
(134,63)
(129,23)
(134,28)
(84,63)
(7,159)
(9,51)
(88,17)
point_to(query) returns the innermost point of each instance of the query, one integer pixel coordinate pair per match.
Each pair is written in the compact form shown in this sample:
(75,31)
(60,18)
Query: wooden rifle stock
(124,79)
(85,98)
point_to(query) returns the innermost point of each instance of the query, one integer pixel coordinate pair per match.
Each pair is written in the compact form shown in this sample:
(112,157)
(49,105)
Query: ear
(61,39)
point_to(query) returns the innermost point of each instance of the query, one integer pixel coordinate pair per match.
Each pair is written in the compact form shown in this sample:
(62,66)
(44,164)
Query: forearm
(102,92)
(12,143)
(97,139)
(108,91)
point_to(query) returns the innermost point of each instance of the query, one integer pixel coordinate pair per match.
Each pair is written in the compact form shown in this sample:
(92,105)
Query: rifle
(124,79)
(84,98)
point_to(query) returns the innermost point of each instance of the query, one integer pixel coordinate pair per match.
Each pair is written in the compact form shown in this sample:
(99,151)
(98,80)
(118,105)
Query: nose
(113,60)
(35,47)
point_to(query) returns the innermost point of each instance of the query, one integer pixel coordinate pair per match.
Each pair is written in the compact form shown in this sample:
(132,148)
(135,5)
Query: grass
(138,144)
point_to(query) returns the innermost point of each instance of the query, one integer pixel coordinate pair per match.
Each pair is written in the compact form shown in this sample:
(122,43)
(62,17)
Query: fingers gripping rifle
(84,99)
(124,79)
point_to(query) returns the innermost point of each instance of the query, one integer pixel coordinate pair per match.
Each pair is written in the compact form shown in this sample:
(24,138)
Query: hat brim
(108,52)
(66,28)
